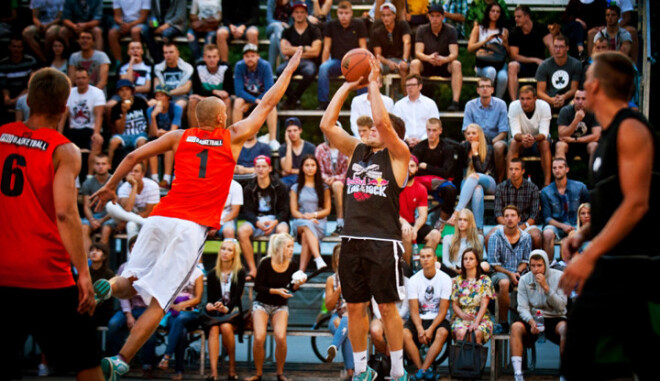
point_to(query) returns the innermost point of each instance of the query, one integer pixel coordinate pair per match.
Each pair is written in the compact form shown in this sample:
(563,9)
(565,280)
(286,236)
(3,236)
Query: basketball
(355,64)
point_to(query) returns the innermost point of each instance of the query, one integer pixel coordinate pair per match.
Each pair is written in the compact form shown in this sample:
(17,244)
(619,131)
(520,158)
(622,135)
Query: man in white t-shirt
(85,115)
(360,106)
(138,196)
(415,109)
(428,296)
(130,17)
(529,120)
(230,212)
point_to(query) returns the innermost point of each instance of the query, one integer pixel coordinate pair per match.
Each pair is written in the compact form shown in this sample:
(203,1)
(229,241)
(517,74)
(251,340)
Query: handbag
(467,359)
(492,54)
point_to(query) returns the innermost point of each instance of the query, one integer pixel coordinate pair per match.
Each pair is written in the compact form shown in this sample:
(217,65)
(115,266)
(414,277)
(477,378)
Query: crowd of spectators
(158,91)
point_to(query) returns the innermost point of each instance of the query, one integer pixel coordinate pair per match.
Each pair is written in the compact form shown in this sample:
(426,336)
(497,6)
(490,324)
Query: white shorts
(165,254)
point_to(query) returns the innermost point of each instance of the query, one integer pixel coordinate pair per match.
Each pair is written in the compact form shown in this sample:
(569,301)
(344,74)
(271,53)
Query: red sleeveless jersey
(203,170)
(31,251)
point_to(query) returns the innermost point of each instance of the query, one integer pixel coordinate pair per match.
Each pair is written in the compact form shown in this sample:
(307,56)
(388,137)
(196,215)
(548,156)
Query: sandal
(253,378)
(164,363)
(281,377)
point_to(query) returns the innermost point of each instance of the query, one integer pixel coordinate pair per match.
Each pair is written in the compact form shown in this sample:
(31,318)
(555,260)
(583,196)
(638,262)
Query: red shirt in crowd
(410,198)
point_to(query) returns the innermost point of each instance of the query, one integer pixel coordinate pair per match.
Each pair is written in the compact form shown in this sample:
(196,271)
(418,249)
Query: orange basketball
(355,64)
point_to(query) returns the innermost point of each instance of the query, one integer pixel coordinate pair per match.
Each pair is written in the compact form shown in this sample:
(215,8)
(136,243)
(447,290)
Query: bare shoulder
(67,153)
(634,137)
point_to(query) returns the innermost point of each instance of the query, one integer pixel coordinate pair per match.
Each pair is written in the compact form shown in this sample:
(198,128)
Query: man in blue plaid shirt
(525,195)
(508,254)
(455,11)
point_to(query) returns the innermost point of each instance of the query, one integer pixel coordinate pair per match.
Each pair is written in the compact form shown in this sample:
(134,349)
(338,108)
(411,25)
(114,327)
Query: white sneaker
(274,145)
(518,377)
(43,370)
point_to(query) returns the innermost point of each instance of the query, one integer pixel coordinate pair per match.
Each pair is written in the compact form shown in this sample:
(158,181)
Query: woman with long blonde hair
(224,291)
(479,180)
(453,245)
(274,274)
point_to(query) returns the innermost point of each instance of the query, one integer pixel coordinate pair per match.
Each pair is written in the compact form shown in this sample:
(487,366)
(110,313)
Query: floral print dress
(469,293)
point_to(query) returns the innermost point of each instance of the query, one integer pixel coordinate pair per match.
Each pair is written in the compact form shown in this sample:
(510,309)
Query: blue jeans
(178,327)
(193,41)
(306,68)
(341,341)
(475,189)
(330,68)
(155,49)
(274,33)
(117,331)
(499,78)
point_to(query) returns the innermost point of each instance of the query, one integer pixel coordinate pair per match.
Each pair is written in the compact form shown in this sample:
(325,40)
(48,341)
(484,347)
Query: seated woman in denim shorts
(274,273)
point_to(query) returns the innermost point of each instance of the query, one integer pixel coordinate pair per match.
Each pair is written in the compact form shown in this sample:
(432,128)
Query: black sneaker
(337,231)
(454,106)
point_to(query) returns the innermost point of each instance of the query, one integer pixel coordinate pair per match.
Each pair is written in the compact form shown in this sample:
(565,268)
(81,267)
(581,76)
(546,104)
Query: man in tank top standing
(623,223)
(371,238)
(172,238)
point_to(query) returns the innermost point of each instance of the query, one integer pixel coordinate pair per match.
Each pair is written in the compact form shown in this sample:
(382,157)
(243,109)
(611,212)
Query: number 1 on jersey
(203,158)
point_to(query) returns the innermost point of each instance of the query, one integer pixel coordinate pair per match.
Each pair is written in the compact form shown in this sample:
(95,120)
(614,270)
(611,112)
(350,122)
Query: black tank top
(606,195)
(371,198)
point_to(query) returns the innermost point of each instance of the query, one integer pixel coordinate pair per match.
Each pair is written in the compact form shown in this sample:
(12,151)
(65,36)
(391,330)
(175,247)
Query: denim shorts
(130,141)
(269,309)
(559,234)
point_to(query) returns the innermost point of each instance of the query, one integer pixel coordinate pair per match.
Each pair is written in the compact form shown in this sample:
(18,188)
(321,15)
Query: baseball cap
(389,6)
(297,4)
(125,83)
(160,88)
(292,121)
(262,157)
(250,48)
(436,7)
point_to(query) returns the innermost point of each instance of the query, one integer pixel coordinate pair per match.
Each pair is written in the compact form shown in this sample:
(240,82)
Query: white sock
(154,177)
(516,361)
(396,358)
(167,178)
(319,262)
(340,221)
(360,359)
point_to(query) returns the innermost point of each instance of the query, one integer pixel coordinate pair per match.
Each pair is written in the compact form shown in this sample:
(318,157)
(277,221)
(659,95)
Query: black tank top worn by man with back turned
(606,195)
(371,198)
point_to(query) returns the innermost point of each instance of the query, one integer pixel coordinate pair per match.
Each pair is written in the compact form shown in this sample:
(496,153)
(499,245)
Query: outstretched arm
(399,152)
(249,126)
(167,142)
(337,137)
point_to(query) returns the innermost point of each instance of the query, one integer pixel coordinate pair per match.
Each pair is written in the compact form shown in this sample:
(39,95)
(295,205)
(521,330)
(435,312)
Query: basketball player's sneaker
(367,375)
(102,290)
(113,367)
(403,377)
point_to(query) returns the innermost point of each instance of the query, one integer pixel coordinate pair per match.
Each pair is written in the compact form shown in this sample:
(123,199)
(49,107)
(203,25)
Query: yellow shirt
(418,7)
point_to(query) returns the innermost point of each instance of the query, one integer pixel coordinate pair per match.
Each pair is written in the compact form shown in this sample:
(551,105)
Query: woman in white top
(491,30)
(58,56)
(453,245)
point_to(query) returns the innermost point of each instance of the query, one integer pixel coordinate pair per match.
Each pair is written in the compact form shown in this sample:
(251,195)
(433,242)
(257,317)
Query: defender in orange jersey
(41,237)
(171,241)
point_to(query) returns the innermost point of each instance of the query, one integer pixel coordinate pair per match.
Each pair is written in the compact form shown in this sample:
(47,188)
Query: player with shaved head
(166,251)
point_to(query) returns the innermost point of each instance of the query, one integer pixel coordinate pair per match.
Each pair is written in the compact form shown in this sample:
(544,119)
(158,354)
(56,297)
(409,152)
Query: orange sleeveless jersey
(203,170)
(31,251)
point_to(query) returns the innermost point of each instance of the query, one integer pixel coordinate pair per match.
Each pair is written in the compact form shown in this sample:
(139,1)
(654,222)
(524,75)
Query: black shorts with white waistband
(369,267)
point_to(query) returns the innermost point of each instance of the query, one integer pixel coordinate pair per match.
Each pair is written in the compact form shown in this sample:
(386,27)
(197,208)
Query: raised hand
(294,61)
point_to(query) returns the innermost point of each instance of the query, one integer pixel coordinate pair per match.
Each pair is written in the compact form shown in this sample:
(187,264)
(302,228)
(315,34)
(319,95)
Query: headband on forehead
(415,159)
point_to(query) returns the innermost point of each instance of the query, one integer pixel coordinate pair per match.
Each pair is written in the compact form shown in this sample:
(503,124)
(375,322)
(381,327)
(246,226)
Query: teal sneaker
(419,376)
(429,375)
(367,375)
(403,377)
(102,290)
(113,367)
